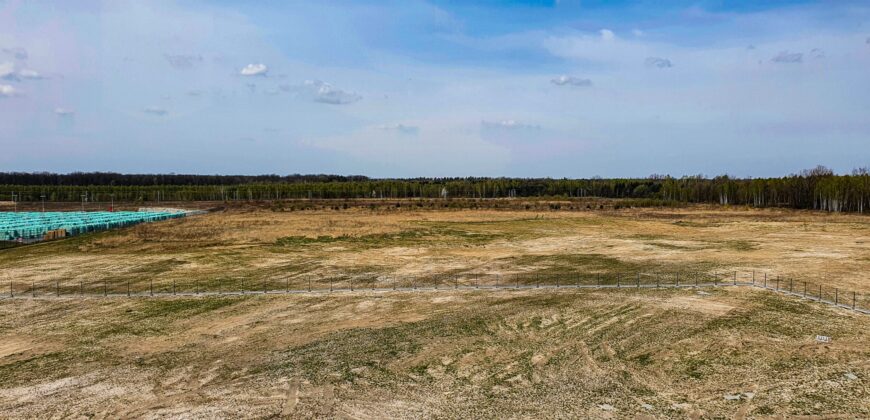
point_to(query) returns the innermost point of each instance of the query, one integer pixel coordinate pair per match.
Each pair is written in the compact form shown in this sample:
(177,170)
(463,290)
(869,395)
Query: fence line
(306,283)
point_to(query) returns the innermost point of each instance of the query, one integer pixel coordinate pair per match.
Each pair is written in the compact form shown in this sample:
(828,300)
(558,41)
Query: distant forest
(817,188)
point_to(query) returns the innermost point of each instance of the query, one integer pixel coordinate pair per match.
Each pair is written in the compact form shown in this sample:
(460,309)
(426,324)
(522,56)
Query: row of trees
(817,188)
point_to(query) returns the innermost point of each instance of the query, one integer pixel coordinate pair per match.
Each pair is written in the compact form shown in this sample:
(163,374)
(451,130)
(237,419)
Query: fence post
(81,288)
(735,278)
(309,283)
(791,285)
(777,283)
(173,287)
(196,286)
(496,281)
(128,287)
(820,293)
(56,287)
(765,280)
(151,286)
(753,277)
(677,279)
(853,300)
(598,279)
(836,297)
(805,290)
(106,288)
(11,290)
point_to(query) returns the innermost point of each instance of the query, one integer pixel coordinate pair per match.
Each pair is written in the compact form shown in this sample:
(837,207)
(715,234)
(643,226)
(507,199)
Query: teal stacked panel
(34,225)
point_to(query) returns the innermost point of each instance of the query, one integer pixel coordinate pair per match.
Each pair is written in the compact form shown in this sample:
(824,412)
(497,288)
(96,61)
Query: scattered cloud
(154,110)
(326,93)
(401,128)
(508,125)
(817,53)
(565,80)
(254,70)
(30,74)
(607,35)
(183,61)
(7,70)
(7,91)
(64,112)
(788,57)
(658,62)
(17,52)
(637,32)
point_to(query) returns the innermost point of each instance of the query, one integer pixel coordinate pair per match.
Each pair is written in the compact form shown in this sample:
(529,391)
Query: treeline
(817,188)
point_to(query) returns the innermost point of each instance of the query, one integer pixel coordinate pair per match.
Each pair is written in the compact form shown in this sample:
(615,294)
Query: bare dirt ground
(712,353)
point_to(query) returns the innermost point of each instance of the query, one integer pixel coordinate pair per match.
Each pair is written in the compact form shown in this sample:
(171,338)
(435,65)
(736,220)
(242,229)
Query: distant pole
(11,293)
(151,286)
(853,300)
(765,280)
(753,277)
(836,297)
(735,278)
(56,287)
(32,289)
(805,289)
(42,196)
(105,288)
(128,287)
(173,287)
(820,293)
(677,279)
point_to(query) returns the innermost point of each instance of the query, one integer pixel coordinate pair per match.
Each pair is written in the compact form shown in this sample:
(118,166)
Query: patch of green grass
(153,317)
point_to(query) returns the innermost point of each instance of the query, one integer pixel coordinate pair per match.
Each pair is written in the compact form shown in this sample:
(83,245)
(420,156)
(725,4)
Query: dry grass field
(711,353)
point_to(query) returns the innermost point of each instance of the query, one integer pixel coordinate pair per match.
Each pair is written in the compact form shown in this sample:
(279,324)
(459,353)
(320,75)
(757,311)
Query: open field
(711,353)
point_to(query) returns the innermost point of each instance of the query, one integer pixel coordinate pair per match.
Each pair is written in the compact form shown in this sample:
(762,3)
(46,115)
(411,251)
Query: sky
(409,88)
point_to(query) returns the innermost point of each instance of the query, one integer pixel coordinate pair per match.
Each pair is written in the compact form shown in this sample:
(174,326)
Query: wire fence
(343,282)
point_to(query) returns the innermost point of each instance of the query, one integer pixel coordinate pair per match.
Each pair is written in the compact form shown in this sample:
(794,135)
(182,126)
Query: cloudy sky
(435,88)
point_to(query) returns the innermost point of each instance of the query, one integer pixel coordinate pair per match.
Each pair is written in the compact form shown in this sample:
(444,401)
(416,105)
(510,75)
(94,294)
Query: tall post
(677,279)
(805,290)
(173,287)
(853,300)
(598,279)
(753,277)
(32,289)
(791,285)
(151,286)
(56,287)
(105,288)
(128,287)
(836,297)
(81,288)
(820,293)
(309,282)
(11,289)
(735,278)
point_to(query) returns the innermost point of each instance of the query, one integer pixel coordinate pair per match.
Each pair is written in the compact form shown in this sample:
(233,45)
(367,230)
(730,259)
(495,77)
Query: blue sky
(565,88)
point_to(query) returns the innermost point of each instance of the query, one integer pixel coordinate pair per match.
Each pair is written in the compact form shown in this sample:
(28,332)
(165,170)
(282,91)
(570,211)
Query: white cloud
(607,35)
(7,70)
(30,74)
(658,62)
(508,125)
(637,32)
(788,57)
(17,52)
(565,80)
(326,93)
(7,91)
(63,112)
(401,128)
(254,70)
(154,110)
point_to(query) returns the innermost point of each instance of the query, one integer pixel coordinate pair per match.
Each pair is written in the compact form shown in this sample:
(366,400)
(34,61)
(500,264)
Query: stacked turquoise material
(34,225)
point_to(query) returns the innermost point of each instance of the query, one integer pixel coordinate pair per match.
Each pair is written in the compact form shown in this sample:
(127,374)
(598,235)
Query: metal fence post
(820,293)
(106,288)
(791,285)
(309,283)
(805,290)
(765,280)
(853,300)
(128,287)
(836,297)
(11,289)
(173,287)
(32,289)
(151,287)
(56,287)
(735,278)
(677,279)
(81,288)
(753,277)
